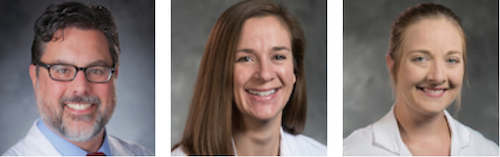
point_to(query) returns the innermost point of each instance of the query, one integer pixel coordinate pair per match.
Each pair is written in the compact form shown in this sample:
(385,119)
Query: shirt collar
(386,135)
(460,136)
(283,145)
(67,148)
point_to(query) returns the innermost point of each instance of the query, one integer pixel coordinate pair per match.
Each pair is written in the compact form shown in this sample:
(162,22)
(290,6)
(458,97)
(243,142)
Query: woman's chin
(266,115)
(432,108)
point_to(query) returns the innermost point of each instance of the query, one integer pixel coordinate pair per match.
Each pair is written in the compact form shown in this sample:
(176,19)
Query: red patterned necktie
(96,154)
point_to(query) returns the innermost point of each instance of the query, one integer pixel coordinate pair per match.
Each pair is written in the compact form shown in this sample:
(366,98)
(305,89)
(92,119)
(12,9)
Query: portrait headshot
(77,78)
(420,78)
(249,78)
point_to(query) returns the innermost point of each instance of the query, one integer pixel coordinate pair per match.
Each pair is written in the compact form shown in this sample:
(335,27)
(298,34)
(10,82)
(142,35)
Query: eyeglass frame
(47,66)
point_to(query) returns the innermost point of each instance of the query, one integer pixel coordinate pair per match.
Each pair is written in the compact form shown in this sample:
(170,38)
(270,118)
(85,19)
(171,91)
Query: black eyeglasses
(65,72)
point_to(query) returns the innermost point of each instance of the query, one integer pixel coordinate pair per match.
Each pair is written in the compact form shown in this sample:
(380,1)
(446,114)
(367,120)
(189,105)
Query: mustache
(81,99)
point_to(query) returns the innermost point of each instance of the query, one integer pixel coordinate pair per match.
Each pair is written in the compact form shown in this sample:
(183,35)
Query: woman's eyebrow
(420,51)
(452,52)
(245,50)
(280,48)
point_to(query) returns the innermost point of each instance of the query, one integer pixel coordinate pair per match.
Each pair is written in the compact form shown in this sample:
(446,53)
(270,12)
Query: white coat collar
(460,135)
(285,148)
(38,143)
(386,135)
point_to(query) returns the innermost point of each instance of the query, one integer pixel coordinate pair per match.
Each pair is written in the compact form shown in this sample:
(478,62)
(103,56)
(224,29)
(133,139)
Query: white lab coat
(382,138)
(290,145)
(35,144)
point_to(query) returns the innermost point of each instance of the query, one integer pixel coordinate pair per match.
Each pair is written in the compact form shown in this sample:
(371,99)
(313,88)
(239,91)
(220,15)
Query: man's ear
(33,75)
(116,72)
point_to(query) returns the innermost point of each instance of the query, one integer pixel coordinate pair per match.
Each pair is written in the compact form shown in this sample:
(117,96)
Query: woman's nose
(437,74)
(265,72)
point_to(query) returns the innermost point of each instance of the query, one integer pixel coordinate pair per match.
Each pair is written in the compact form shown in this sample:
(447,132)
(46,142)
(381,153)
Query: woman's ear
(390,62)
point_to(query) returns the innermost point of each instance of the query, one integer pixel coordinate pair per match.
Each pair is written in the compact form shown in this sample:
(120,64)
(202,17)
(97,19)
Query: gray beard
(53,118)
(58,124)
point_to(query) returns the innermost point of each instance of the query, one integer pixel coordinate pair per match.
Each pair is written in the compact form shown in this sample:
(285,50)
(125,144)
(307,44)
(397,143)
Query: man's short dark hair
(57,17)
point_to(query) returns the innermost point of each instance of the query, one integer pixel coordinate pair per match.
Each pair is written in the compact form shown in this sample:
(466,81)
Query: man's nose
(437,74)
(265,72)
(80,85)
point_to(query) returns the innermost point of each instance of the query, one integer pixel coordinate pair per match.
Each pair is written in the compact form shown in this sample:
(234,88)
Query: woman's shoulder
(378,138)
(301,145)
(361,135)
(359,142)
(472,141)
(178,152)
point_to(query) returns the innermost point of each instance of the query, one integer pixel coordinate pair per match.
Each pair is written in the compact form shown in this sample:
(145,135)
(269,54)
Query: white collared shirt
(36,144)
(383,138)
(290,145)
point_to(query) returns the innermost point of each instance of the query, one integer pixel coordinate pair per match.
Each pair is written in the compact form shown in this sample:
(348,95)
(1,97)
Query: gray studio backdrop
(367,89)
(134,117)
(192,21)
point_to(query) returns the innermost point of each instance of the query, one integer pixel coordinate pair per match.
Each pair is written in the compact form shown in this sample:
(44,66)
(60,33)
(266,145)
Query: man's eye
(96,71)
(63,71)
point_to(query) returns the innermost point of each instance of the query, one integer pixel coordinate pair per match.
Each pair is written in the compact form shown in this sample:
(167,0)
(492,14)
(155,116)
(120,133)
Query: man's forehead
(79,47)
(97,62)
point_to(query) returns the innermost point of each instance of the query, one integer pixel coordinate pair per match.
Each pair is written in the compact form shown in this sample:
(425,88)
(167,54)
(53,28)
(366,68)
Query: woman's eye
(419,59)
(279,57)
(244,59)
(452,60)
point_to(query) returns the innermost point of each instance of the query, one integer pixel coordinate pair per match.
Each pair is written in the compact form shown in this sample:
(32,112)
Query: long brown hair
(413,15)
(209,125)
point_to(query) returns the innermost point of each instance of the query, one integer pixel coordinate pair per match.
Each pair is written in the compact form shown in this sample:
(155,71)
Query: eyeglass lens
(92,73)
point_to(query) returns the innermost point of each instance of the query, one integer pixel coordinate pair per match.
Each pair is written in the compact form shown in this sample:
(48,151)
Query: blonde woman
(426,60)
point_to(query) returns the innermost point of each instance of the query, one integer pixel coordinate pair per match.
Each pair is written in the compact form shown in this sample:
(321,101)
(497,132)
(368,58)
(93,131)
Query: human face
(263,69)
(432,69)
(78,110)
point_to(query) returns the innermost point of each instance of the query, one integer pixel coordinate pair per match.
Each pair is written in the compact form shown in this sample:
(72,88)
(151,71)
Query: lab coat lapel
(285,145)
(460,136)
(386,135)
(37,144)
(117,148)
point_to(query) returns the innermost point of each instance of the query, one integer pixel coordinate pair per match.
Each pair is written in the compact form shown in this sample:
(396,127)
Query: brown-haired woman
(250,96)
(426,59)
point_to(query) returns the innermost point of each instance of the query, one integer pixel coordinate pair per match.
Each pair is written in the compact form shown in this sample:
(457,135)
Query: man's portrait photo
(77,78)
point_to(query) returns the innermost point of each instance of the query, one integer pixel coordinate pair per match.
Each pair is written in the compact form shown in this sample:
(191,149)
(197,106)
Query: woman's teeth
(79,106)
(433,91)
(262,93)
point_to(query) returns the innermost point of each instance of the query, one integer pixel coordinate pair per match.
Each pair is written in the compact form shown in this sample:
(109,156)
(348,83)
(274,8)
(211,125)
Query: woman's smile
(432,91)
(263,95)
(264,76)
(432,66)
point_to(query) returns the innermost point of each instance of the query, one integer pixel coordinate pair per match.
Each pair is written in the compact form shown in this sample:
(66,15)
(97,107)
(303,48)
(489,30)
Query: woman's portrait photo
(420,78)
(249,78)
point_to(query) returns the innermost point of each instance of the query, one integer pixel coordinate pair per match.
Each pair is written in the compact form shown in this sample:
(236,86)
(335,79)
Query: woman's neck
(255,137)
(423,134)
